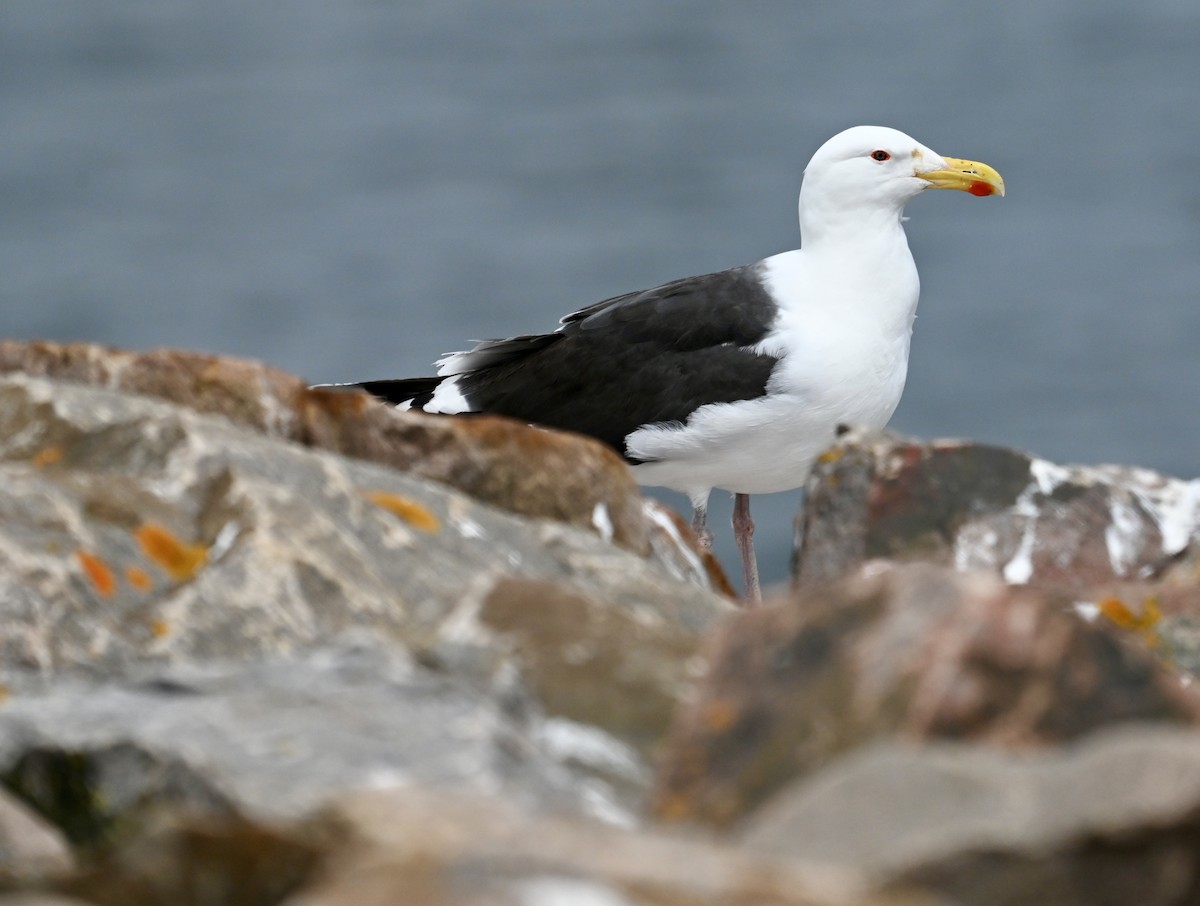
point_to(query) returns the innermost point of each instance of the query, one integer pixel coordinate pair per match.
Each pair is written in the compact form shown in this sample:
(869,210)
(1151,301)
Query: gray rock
(432,848)
(291,546)
(910,651)
(30,848)
(982,507)
(409,846)
(276,740)
(1114,819)
(178,596)
(528,471)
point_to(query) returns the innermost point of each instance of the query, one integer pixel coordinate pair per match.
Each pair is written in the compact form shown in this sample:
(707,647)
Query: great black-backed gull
(740,378)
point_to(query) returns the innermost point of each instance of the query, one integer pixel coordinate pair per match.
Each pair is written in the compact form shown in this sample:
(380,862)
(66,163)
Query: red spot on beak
(981,189)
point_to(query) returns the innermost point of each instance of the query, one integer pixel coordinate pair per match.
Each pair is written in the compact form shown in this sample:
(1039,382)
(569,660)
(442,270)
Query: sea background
(348,190)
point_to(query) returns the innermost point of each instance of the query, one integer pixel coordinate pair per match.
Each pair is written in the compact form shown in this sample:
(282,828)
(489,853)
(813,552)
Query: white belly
(763,445)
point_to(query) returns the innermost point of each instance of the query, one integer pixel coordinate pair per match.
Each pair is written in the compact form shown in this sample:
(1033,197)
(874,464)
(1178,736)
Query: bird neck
(854,264)
(870,227)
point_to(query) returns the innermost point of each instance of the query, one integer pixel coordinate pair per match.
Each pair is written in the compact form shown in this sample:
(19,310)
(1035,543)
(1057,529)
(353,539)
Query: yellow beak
(966,176)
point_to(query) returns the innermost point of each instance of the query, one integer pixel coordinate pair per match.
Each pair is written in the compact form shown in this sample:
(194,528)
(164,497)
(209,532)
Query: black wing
(638,359)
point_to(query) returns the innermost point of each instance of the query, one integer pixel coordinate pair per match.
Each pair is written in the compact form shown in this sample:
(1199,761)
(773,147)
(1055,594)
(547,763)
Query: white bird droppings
(602,521)
(1124,537)
(468,528)
(563,891)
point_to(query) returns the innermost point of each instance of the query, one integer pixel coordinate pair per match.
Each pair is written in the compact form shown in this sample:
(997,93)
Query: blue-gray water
(349,189)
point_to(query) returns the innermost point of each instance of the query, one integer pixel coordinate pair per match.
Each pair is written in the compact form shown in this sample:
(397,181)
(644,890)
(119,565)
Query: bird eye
(880,155)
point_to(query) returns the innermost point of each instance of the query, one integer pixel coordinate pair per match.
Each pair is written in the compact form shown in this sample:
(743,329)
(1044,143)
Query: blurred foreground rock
(201,605)
(1113,820)
(262,645)
(912,651)
(30,848)
(407,846)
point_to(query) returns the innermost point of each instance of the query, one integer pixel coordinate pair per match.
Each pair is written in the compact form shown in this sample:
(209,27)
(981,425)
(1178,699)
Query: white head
(863,178)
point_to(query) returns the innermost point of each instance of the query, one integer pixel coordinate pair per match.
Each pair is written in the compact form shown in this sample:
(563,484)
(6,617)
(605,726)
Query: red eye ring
(880,155)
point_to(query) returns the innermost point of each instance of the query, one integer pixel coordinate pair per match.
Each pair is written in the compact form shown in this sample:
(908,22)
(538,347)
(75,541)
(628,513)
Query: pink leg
(743,534)
(700,527)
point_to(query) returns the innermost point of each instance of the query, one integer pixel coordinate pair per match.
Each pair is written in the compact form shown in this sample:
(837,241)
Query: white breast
(843,333)
(842,338)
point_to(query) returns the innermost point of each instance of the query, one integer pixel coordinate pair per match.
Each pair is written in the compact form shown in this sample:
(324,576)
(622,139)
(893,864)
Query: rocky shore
(263,644)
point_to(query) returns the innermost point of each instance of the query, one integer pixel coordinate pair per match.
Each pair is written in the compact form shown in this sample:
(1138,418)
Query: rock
(29,847)
(1112,820)
(275,741)
(416,846)
(1163,618)
(674,546)
(593,663)
(181,859)
(247,393)
(529,471)
(913,651)
(408,847)
(525,470)
(229,603)
(184,603)
(162,535)
(981,507)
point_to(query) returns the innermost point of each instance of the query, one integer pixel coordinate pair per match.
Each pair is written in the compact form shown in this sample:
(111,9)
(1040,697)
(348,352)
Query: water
(348,190)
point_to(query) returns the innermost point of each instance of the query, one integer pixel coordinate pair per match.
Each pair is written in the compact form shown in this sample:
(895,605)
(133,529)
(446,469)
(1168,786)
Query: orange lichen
(1144,622)
(415,514)
(1118,612)
(179,560)
(672,807)
(719,716)
(159,628)
(99,573)
(138,578)
(47,456)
